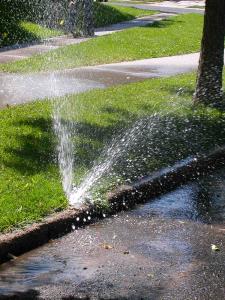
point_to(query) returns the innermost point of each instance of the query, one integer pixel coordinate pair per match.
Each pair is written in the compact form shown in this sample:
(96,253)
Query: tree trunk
(88,22)
(81,22)
(210,70)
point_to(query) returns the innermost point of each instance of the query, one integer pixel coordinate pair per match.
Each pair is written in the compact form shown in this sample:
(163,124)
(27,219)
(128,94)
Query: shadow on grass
(153,141)
(106,15)
(37,148)
(144,142)
(15,12)
(163,23)
(12,14)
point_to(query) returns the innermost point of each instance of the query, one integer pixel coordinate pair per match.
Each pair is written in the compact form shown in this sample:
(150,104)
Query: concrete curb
(21,241)
(166,179)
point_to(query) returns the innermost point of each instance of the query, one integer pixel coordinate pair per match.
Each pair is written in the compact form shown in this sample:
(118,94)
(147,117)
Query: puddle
(15,89)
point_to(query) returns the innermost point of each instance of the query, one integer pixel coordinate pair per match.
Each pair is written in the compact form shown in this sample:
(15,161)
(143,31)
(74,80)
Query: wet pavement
(21,88)
(159,250)
(18,89)
(18,52)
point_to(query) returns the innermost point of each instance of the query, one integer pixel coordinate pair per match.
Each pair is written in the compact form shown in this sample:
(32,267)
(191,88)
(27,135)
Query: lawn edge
(50,39)
(20,241)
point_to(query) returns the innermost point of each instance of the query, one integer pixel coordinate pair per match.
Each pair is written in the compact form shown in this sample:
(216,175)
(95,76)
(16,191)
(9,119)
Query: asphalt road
(160,250)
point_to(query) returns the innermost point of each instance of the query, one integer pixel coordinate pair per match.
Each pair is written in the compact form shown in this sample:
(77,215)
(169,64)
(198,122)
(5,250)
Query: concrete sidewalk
(163,8)
(181,3)
(24,51)
(20,88)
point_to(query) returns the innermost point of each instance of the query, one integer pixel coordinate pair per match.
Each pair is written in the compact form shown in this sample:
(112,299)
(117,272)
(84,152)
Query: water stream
(126,157)
(114,153)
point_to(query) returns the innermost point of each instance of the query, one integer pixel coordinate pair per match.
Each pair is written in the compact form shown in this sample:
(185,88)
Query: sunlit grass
(40,32)
(30,186)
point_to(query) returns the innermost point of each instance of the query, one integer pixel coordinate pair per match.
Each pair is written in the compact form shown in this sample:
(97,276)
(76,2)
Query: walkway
(24,51)
(163,8)
(180,3)
(19,88)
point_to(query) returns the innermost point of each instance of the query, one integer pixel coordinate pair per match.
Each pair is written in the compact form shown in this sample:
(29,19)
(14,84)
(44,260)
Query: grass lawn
(197,6)
(169,128)
(21,23)
(165,38)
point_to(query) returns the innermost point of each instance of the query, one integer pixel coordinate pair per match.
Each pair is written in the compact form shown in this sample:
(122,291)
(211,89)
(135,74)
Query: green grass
(30,186)
(197,6)
(22,23)
(172,129)
(170,37)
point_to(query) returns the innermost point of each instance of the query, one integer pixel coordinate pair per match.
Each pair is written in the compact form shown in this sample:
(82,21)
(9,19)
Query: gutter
(125,197)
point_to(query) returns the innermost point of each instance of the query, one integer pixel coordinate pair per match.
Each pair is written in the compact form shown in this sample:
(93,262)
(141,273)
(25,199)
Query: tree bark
(81,23)
(88,23)
(210,70)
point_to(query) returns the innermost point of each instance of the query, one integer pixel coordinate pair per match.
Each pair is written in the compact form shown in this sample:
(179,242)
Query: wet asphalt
(159,250)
